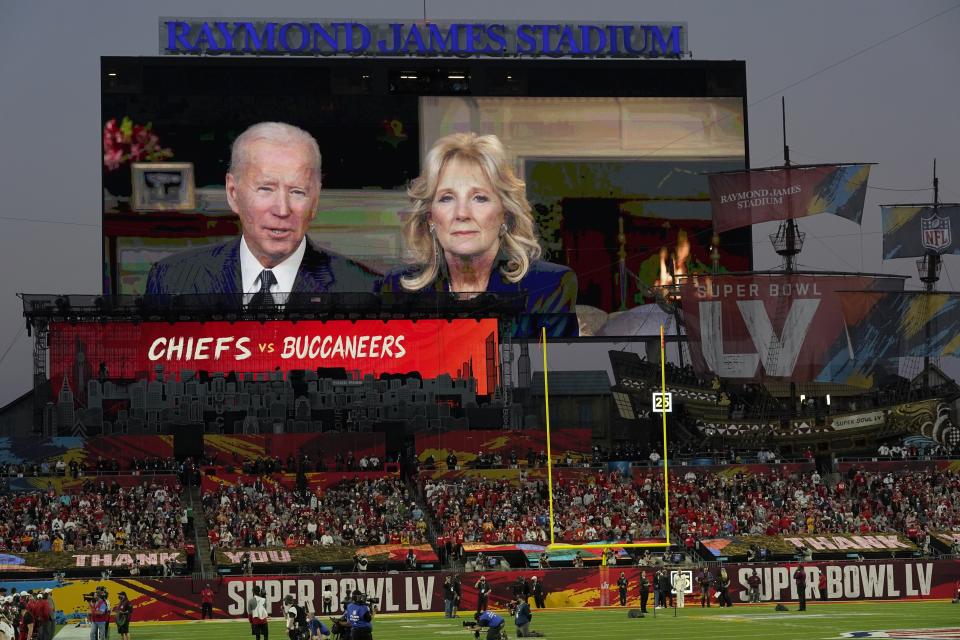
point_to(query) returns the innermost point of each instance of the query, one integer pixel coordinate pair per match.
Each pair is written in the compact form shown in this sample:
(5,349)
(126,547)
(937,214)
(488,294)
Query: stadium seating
(264,513)
(96,515)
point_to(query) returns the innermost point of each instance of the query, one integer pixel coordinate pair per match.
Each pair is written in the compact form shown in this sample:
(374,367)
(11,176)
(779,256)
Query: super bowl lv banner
(177,599)
(747,197)
(752,328)
(886,325)
(911,230)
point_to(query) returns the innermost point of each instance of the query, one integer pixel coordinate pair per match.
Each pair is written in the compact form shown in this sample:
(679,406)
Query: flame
(683,252)
(679,258)
(665,277)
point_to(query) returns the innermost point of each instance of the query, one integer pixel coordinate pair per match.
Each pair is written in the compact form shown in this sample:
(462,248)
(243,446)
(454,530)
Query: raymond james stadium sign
(306,37)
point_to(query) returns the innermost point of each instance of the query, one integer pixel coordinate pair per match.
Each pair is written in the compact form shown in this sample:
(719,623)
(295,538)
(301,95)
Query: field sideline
(937,619)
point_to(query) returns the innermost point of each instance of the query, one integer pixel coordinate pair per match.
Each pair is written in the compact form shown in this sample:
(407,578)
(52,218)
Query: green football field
(900,619)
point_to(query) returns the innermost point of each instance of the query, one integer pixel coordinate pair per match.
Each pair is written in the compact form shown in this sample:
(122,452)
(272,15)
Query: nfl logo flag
(935,232)
(911,230)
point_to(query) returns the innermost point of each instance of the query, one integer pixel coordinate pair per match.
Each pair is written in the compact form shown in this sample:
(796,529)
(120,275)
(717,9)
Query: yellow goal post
(556,546)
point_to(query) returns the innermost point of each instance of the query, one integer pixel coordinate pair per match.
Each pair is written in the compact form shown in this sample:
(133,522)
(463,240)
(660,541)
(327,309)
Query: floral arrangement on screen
(129,142)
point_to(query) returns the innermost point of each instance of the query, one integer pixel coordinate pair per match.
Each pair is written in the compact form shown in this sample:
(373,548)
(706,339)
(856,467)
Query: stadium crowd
(589,504)
(475,509)
(354,512)
(100,515)
(609,506)
(305,463)
(594,506)
(775,503)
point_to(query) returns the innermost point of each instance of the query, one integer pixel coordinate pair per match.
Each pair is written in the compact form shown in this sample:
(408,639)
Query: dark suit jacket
(216,270)
(550,291)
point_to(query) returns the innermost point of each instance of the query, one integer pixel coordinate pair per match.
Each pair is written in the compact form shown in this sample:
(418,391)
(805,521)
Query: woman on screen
(471,231)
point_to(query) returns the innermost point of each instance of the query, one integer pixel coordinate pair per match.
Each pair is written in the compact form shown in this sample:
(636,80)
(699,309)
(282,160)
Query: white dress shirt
(285,272)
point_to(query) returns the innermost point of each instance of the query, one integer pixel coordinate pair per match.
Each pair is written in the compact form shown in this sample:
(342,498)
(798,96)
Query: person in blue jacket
(318,630)
(360,617)
(471,231)
(492,622)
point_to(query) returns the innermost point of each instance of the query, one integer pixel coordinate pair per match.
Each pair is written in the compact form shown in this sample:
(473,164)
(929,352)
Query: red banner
(466,445)
(129,351)
(745,198)
(228,449)
(315,481)
(789,327)
(224,449)
(178,599)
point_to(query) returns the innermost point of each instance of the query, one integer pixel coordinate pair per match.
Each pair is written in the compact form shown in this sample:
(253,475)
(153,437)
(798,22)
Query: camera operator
(492,622)
(522,617)
(99,615)
(296,617)
(124,610)
(360,562)
(360,617)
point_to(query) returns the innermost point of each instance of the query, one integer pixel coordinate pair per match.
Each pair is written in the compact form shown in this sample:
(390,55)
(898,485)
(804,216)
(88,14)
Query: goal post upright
(558,546)
(546,403)
(666,474)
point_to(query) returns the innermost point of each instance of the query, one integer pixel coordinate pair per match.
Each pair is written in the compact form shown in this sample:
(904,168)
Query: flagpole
(930,279)
(791,250)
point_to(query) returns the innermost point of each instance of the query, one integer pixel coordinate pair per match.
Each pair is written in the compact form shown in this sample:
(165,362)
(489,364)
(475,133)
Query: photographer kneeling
(522,617)
(359,615)
(493,622)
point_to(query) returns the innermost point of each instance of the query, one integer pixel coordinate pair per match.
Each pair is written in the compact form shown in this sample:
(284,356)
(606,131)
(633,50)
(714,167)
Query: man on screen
(273,186)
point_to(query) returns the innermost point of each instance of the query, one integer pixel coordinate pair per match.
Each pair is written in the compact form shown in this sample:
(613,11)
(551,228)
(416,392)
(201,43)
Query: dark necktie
(262,300)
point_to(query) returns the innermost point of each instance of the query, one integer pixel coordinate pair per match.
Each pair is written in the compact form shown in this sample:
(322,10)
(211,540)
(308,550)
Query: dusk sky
(864,81)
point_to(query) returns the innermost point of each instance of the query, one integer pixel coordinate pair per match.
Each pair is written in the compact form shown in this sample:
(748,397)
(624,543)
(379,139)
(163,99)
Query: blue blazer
(216,270)
(550,292)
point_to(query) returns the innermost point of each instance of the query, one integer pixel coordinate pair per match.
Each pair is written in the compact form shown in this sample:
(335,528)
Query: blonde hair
(519,241)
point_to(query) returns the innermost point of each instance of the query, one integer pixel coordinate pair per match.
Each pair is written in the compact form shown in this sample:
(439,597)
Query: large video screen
(613,157)
(161,351)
